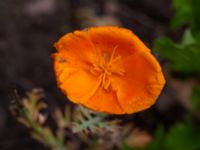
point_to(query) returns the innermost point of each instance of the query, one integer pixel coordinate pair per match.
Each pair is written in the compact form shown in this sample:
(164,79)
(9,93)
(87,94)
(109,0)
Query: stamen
(112,56)
(105,81)
(113,53)
(105,68)
(114,60)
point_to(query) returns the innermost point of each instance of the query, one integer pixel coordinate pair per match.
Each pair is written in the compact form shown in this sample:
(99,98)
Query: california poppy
(107,69)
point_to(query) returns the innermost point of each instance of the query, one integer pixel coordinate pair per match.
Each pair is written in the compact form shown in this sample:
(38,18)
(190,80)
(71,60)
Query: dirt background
(28,30)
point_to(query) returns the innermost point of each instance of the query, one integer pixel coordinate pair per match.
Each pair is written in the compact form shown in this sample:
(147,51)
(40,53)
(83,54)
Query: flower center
(106,66)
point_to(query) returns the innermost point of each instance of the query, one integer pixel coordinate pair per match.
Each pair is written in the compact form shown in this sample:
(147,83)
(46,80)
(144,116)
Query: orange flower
(107,69)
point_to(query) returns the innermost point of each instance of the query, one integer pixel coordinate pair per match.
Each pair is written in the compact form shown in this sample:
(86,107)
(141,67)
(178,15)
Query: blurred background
(28,30)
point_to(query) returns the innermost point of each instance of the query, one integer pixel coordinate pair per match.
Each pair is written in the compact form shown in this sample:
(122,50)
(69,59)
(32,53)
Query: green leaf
(183,12)
(183,57)
(126,147)
(184,136)
(186,12)
(196,98)
(86,121)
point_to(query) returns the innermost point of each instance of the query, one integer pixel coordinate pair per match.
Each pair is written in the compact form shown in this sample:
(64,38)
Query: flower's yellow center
(106,66)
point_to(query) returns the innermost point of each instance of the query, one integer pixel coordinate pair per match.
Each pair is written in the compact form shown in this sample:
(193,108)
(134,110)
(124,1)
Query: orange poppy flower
(107,69)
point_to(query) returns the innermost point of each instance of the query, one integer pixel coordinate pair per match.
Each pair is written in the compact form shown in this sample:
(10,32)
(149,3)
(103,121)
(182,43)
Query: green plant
(182,136)
(186,12)
(79,122)
(183,58)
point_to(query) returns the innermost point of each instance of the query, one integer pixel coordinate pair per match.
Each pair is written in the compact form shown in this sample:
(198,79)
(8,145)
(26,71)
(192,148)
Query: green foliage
(79,121)
(158,141)
(183,57)
(82,120)
(186,12)
(126,147)
(89,121)
(196,98)
(183,12)
(29,113)
(182,136)
(85,121)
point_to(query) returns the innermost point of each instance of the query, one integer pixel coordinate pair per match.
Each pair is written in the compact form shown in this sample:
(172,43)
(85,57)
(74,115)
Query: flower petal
(77,84)
(104,101)
(76,48)
(142,83)
(108,38)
